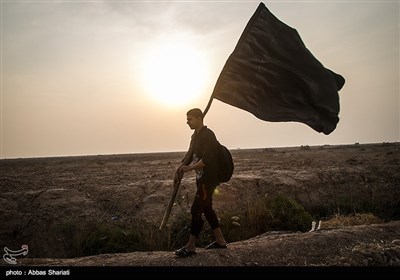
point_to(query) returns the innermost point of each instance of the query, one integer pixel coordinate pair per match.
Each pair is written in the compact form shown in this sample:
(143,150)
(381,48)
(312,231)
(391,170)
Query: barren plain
(51,203)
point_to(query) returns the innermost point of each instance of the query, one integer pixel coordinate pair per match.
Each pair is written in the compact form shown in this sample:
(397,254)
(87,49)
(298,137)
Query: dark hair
(195,112)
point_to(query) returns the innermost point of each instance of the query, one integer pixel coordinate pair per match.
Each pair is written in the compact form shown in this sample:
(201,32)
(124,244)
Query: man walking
(202,158)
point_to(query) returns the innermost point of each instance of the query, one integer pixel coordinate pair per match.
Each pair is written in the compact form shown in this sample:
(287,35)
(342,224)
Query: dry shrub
(351,220)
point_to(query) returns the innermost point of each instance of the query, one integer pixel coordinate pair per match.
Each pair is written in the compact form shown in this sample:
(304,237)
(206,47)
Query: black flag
(272,75)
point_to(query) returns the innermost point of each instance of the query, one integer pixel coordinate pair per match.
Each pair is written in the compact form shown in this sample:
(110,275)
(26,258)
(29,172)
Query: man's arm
(188,156)
(187,168)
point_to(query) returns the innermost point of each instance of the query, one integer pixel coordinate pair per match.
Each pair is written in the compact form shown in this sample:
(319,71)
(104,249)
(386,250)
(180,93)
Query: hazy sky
(105,77)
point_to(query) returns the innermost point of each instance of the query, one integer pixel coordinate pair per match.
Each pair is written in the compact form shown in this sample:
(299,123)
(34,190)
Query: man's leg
(197,221)
(196,226)
(191,244)
(212,218)
(219,237)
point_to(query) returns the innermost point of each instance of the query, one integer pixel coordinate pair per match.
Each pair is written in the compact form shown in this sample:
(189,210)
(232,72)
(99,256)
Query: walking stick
(177,183)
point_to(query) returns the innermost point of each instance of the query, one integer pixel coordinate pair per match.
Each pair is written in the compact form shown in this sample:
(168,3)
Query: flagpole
(208,106)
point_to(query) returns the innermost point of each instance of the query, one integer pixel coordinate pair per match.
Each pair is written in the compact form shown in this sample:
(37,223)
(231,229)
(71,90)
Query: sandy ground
(40,197)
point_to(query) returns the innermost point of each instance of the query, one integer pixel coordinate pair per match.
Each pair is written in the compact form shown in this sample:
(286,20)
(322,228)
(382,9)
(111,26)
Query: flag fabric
(272,75)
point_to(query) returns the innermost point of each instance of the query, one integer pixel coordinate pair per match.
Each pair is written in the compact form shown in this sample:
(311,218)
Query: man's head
(195,119)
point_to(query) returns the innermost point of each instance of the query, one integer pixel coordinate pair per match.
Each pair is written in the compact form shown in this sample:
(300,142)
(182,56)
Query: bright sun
(174,73)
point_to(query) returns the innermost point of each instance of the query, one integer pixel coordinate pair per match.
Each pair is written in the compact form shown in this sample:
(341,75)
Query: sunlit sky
(112,77)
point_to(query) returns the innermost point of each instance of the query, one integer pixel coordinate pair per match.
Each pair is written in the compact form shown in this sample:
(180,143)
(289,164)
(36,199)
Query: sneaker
(184,252)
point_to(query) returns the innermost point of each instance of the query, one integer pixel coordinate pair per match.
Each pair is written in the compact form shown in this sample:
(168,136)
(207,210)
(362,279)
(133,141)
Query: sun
(174,73)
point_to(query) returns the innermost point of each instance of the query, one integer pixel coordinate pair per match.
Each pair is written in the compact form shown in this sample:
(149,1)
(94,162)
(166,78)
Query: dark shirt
(204,146)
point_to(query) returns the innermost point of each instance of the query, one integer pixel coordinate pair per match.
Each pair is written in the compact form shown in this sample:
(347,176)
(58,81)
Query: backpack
(226,165)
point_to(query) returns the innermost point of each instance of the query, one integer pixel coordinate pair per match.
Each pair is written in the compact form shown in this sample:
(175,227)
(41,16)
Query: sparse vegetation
(107,239)
(277,213)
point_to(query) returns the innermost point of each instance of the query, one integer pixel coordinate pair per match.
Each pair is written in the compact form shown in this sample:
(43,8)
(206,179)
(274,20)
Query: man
(202,158)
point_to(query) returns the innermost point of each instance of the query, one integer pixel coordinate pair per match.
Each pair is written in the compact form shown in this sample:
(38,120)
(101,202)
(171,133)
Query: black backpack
(226,165)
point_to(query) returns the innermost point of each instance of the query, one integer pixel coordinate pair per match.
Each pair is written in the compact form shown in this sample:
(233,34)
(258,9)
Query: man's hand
(190,167)
(185,168)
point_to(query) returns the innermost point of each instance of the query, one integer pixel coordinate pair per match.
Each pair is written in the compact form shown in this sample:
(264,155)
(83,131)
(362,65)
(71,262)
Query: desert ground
(53,204)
